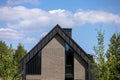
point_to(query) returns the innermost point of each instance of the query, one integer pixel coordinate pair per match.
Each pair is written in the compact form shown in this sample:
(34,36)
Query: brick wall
(79,69)
(33,77)
(53,60)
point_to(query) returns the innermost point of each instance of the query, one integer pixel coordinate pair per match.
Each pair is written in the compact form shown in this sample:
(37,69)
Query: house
(57,57)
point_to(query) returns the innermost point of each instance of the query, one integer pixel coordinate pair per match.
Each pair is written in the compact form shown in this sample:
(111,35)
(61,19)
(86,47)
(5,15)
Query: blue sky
(27,21)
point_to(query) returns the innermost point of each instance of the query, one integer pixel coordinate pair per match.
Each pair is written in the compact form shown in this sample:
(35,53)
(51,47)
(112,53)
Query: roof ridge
(56,30)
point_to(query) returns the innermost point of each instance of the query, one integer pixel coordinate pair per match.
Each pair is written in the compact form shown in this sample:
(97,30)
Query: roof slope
(56,30)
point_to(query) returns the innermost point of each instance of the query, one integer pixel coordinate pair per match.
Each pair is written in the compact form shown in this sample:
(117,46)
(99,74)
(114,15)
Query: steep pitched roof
(56,30)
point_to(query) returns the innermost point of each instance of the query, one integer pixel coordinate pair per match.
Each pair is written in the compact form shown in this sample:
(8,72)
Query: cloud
(30,40)
(6,33)
(22,17)
(17,2)
(21,20)
(96,17)
(25,19)
(62,17)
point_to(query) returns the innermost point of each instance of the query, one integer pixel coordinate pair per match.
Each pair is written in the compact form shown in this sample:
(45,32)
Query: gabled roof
(56,30)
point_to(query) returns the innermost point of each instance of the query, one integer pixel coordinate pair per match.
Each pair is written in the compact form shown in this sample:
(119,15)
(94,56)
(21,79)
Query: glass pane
(69,70)
(69,58)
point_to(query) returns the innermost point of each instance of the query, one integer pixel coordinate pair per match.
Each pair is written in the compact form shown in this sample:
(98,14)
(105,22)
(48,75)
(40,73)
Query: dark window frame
(69,62)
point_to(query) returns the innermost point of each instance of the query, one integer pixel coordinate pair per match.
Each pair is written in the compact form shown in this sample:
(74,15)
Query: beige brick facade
(53,60)
(79,70)
(33,77)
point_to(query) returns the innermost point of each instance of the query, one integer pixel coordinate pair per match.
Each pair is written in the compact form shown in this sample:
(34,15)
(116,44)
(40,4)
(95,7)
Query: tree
(113,55)
(9,61)
(101,67)
(5,62)
(19,53)
(15,74)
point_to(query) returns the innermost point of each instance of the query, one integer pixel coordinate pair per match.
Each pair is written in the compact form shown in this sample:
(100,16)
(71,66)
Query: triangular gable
(56,30)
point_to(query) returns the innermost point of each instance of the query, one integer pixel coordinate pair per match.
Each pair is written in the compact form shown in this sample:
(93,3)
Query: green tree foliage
(15,74)
(113,55)
(20,52)
(9,61)
(101,67)
(5,62)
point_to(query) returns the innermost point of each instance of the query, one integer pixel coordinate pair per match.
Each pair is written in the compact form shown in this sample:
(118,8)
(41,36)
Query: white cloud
(23,20)
(62,17)
(96,17)
(6,33)
(30,40)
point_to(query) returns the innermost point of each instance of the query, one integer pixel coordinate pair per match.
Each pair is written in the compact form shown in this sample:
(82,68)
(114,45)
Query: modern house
(57,57)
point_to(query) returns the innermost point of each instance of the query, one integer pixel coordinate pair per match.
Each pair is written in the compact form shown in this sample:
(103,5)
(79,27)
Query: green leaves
(9,61)
(5,61)
(101,68)
(19,53)
(107,64)
(113,56)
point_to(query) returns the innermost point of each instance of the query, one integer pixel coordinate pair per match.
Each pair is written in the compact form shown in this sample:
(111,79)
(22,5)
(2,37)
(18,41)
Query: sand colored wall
(79,69)
(33,77)
(53,60)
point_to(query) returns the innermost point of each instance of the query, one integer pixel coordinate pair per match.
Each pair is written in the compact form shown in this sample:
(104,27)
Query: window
(34,65)
(69,60)
(69,79)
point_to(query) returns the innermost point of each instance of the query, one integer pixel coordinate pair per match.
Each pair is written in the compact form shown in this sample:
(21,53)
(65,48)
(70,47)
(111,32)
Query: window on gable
(69,59)
(33,66)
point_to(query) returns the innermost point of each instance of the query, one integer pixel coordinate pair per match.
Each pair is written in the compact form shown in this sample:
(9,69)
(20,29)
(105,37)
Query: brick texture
(33,77)
(79,69)
(53,60)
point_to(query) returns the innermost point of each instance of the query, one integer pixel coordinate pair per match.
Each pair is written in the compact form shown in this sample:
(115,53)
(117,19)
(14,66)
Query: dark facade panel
(54,32)
(46,39)
(63,36)
(31,54)
(67,39)
(27,58)
(22,67)
(35,50)
(50,35)
(71,43)
(75,47)
(42,44)
(60,33)
(68,31)
(39,46)
(33,66)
